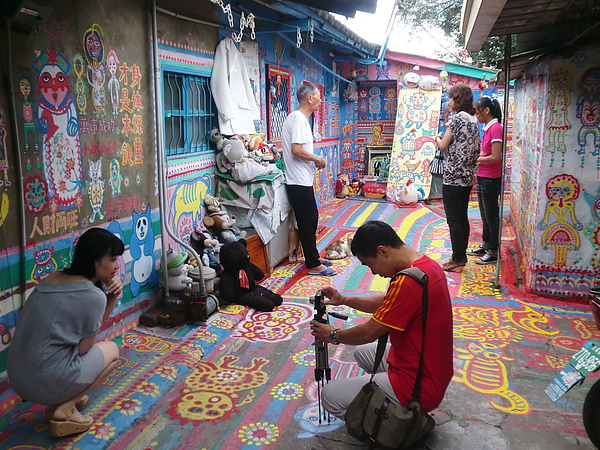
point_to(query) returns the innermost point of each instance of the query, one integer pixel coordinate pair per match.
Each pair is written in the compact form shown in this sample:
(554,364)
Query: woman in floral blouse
(460,147)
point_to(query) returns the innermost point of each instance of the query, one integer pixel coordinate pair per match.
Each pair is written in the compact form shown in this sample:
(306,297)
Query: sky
(372,27)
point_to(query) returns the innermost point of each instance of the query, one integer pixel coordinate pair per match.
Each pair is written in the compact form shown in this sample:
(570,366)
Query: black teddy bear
(239,277)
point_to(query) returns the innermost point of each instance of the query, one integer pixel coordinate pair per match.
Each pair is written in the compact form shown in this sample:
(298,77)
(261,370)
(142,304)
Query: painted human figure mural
(592,229)
(29,127)
(96,72)
(80,86)
(363,103)
(588,110)
(115,178)
(561,235)
(559,98)
(114,88)
(95,188)
(58,122)
(390,103)
(416,114)
(374,103)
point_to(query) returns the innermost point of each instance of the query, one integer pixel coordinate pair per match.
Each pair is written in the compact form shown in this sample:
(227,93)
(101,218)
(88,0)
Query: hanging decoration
(245,22)
(298,37)
(311,31)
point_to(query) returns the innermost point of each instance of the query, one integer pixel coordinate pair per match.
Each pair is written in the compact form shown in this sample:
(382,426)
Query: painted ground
(246,380)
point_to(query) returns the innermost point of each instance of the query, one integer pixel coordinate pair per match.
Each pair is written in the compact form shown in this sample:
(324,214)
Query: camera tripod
(322,369)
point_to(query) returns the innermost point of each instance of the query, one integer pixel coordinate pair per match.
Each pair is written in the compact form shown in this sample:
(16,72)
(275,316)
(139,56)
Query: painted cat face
(53,85)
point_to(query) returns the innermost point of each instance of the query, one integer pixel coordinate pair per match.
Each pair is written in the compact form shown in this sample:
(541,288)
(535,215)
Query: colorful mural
(414,147)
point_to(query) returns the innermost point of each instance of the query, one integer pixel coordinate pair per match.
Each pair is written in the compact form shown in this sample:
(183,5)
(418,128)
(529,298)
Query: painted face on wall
(93,46)
(53,85)
(561,191)
(111,63)
(25,87)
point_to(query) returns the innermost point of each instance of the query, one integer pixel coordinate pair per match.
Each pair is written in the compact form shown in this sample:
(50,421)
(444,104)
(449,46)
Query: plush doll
(341,186)
(224,227)
(239,278)
(206,245)
(217,138)
(178,271)
(212,204)
(407,195)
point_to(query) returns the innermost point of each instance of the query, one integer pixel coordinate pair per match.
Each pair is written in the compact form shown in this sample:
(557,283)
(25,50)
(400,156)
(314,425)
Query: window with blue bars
(188,111)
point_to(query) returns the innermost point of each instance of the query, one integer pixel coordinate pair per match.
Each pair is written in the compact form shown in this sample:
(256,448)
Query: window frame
(189,106)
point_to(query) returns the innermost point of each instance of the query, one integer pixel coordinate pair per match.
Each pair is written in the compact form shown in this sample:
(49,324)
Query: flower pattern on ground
(215,390)
(170,373)
(193,350)
(222,322)
(128,406)
(260,433)
(287,391)
(233,310)
(149,389)
(102,431)
(305,357)
(277,325)
(207,336)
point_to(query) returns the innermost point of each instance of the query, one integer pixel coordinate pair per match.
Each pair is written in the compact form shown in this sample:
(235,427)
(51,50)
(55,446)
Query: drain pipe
(507,56)
(162,179)
(13,105)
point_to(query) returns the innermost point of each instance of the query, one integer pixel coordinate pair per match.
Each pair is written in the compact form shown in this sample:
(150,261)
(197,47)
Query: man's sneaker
(479,251)
(488,258)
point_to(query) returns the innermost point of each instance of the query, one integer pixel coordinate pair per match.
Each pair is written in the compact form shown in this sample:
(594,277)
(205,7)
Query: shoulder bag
(372,417)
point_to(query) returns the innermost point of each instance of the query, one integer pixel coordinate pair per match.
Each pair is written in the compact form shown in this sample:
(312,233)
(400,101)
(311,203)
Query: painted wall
(82,134)
(556,174)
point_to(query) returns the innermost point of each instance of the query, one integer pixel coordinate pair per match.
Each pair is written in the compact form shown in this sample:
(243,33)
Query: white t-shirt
(296,129)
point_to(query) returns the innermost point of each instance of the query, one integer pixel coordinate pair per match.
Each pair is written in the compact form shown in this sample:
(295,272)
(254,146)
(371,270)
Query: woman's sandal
(59,428)
(453,266)
(82,403)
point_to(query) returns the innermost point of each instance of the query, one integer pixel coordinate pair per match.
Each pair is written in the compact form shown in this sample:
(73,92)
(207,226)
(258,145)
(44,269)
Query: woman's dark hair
(93,245)
(463,98)
(371,235)
(485,102)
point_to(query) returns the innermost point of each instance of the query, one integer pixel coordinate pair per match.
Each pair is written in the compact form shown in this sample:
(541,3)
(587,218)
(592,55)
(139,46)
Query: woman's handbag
(372,417)
(436,167)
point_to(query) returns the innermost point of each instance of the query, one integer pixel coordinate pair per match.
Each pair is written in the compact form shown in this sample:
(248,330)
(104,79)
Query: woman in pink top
(489,178)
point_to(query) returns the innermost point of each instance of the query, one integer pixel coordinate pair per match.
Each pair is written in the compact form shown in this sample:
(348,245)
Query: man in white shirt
(300,167)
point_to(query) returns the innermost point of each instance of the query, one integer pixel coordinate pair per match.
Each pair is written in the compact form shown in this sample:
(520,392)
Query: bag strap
(420,277)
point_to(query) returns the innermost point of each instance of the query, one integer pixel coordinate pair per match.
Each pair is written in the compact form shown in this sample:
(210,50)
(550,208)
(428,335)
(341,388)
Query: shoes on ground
(488,258)
(82,403)
(479,251)
(59,428)
(328,272)
(326,263)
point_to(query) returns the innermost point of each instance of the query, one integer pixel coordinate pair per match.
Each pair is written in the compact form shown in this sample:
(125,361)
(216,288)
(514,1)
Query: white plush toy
(429,83)
(178,271)
(407,195)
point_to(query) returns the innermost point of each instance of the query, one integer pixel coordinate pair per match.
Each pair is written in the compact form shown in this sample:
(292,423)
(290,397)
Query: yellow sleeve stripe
(390,297)
(387,325)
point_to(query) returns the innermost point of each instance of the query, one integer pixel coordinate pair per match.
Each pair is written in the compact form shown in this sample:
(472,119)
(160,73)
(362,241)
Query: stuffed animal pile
(240,277)
(219,222)
(244,157)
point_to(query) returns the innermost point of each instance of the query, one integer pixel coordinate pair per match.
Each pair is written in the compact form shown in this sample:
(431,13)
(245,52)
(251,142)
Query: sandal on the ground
(453,266)
(59,428)
(328,272)
(82,403)
(327,263)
